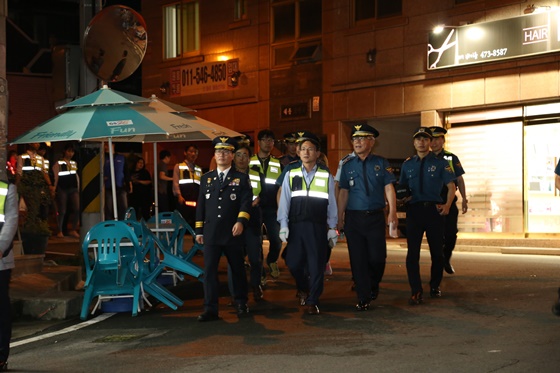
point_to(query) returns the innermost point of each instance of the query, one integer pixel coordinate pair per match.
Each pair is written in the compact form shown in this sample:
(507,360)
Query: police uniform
(308,208)
(186,182)
(219,208)
(425,178)
(364,217)
(271,168)
(451,219)
(8,227)
(286,159)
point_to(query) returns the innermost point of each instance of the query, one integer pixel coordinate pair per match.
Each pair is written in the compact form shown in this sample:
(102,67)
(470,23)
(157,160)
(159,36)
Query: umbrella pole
(156,178)
(113,184)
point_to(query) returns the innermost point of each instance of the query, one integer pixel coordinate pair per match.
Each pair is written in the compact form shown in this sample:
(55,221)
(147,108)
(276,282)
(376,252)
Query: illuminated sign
(497,40)
(298,110)
(199,78)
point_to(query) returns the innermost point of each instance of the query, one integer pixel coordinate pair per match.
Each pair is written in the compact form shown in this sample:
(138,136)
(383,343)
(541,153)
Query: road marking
(72,328)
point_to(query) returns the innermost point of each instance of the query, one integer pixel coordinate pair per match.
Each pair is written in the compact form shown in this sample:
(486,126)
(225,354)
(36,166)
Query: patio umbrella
(158,103)
(123,122)
(105,96)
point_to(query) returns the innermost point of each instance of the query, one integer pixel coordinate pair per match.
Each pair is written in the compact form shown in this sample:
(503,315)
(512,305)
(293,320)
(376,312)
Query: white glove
(284,233)
(332,236)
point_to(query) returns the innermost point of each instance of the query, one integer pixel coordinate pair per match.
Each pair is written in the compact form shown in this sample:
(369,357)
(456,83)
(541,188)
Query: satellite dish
(115,43)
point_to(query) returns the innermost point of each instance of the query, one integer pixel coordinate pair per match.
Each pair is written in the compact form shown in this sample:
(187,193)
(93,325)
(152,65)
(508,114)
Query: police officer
(186,183)
(270,167)
(450,229)
(222,214)
(425,175)
(253,231)
(291,151)
(8,227)
(67,184)
(307,215)
(366,180)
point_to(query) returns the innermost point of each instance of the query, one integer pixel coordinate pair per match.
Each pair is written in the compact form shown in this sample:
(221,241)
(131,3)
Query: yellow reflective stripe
(189,181)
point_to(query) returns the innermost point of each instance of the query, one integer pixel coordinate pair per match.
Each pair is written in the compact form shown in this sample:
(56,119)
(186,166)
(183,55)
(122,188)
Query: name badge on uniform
(233,196)
(320,183)
(351,182)
(274,169)
(207,195)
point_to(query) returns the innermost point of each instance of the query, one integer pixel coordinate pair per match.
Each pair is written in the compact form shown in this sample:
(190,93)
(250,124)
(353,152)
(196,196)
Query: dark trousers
(234,255)
(422,218)
(273,234)
(68,200)
(367,248)
(254,252)
(188,213)
(450,231)
(307,258)
(5,314)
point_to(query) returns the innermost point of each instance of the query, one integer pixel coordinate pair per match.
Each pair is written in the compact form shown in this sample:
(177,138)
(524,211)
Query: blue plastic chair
(115,269)
(189,255)
(130,214)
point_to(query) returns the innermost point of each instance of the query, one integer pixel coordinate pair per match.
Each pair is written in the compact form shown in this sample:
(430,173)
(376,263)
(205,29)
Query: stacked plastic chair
(114,267)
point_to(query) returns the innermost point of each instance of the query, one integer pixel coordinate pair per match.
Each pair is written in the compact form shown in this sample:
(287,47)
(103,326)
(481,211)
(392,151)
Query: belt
(425,204)
(365,212)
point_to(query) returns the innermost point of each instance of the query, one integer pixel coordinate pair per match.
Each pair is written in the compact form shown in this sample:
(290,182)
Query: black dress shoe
(207,316)
(374,292)
(449,268)
(312,309)
(415,299)
(242,309)
(257,293)
(302,296)
(435,293)
(362,306)
(3,366)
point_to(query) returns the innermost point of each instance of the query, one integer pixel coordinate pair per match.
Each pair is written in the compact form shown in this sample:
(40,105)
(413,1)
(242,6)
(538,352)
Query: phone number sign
(200,78)
(497,40)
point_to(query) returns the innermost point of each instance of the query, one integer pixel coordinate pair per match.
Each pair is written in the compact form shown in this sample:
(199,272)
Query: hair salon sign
(497,40)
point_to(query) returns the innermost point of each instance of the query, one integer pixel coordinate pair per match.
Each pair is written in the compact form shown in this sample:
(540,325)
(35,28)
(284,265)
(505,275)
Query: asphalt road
(494,316)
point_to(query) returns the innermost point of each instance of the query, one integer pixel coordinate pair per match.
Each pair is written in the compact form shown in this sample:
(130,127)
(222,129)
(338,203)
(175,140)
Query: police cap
(363,129)
(305,136)
(438,131)
(243,140)
(423,131)
(290,137)
(225,142)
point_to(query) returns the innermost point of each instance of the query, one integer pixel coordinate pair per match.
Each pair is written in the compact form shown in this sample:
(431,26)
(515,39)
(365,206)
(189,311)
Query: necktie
(221,178)
(364,171)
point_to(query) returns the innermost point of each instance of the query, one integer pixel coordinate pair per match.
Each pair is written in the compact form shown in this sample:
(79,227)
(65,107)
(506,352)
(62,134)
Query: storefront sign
(490,41)
(195,79)
(294,111)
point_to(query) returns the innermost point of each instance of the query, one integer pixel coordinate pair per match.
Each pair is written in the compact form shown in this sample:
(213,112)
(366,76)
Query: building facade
(322,65)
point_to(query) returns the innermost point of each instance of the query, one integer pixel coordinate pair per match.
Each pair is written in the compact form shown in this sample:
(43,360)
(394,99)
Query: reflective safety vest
(3,194)
(36,163)
(309,203)
(186,176)
(67,171)
(272,172)
(255,180)
(46,165)
(189,183)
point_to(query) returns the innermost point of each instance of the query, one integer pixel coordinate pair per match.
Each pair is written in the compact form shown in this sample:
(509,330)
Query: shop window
(181,29)
(296,31)
(371,9)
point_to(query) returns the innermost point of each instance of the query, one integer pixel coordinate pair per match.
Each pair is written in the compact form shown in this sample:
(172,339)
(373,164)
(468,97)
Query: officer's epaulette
(294,161)
(409,158)
(346,158)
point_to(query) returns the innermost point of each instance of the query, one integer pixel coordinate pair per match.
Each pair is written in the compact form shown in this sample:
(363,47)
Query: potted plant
(34,226)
